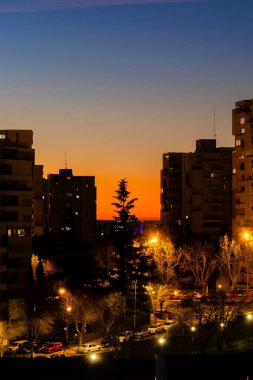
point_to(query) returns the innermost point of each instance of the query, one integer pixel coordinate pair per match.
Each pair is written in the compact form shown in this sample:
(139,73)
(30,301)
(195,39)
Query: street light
(249,318)
(69,308)
(150,292)
(248,240)
(135,297)
(64,293)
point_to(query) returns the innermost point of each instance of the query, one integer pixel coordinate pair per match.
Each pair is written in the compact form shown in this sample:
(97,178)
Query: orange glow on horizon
(147,190)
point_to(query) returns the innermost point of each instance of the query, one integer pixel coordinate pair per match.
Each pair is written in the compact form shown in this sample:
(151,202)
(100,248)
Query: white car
(88,347)
(168,324)
(125,335)
(14,346)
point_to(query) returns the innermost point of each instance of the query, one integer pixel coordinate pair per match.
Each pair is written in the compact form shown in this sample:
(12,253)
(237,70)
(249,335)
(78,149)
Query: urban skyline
(107,89)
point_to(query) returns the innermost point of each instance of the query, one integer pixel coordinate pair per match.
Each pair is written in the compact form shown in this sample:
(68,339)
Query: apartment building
(196,191)
(71,205)
(16,222)
(242,179)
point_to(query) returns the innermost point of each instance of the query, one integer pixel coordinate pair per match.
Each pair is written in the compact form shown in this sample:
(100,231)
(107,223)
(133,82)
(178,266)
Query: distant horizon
(140,219)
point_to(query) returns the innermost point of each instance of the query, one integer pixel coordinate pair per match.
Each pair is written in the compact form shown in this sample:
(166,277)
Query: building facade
(196,191)
(16,221)
(71,205)
(242,182)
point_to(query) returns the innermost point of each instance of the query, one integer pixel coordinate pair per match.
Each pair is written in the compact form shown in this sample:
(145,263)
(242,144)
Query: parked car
(39,345)
(125,336)
(141,334)
(155,328)
(9,354)
(59,356)
(167,324)
(88,347)
(107,343)
(52,347)
(24,348)
(18,344)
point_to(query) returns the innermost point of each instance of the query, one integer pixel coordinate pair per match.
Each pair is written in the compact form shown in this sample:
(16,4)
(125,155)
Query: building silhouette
(16,221)
(71,205)
(196,197)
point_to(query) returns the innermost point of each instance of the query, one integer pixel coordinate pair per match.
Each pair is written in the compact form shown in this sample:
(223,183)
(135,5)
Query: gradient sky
(112,85)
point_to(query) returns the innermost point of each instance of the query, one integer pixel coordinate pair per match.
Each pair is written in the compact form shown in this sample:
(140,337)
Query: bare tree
(81,310)
(210,318)
(232,259)
(165,257)
(112,306)
(199,258)
(247,255)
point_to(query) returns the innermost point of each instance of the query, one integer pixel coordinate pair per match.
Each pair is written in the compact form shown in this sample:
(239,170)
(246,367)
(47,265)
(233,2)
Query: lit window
(77,196)
(21,232)
(234,171)
(9,232)
(242,120)
(76,212)
(2,136)
(242,130)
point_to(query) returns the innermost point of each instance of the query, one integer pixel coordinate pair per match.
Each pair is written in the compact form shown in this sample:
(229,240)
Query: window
(239,142)
(242,130)
(2,136)
(242,120)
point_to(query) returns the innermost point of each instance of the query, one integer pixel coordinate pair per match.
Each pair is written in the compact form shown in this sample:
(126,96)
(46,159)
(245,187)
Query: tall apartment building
(196,191)
(242,182)
(71,204)
(16,224)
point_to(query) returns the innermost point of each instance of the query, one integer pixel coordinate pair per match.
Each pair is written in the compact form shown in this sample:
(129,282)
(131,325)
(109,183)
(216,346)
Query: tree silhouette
(130,263)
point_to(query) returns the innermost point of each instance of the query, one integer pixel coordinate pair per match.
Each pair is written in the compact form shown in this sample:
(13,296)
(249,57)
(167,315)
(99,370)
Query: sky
(108,86)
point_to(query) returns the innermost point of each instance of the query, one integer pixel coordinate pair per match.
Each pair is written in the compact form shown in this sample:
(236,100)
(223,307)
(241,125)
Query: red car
(52,347)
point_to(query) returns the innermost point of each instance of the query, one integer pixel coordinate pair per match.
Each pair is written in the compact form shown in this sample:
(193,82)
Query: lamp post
(150,292)
(248,241)
(69,308)
(249,318)
(135,299)
(64,293)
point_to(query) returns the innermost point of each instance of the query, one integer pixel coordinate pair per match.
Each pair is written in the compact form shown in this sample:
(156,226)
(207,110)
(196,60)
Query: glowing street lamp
(249,318)
(64,293)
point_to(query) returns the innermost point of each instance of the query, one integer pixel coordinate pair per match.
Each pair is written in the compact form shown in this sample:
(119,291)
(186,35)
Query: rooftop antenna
(65,159)
(214,132)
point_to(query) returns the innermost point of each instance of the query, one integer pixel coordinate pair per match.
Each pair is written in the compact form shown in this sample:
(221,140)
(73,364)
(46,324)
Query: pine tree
(129,263)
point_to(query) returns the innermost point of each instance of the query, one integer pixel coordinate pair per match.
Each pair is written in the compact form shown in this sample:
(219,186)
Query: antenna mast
(65,159)
(214,131)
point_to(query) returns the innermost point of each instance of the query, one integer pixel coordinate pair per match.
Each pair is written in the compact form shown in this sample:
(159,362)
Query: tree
(165,258)
(130,263)
(84,310)
(124,205)
(199,258)
(232,259)
(112,305)
(211,318)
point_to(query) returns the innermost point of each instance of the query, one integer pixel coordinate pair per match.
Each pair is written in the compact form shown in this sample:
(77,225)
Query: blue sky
(117,84)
